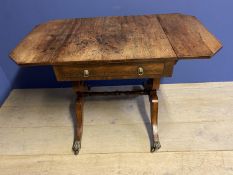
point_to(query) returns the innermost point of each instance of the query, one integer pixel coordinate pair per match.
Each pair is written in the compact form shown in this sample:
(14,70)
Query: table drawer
(108,71)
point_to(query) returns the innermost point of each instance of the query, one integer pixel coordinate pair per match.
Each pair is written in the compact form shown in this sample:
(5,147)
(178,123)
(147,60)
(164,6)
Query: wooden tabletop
(116,39)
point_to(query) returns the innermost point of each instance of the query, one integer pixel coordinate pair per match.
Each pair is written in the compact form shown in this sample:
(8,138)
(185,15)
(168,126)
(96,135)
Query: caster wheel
(76,147)
(155,146)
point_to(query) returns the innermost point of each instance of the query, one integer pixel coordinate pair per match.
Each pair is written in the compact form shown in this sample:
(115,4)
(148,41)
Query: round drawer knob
(140,71)
(86,73)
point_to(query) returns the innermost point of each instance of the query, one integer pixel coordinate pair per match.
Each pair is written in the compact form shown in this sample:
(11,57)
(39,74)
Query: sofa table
(118,47)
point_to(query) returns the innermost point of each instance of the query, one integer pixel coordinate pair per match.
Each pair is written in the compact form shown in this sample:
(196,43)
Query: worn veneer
(117,47)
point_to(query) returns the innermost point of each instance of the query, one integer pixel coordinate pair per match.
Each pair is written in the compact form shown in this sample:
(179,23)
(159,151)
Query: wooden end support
(79,88)
(150,88)
(153,86)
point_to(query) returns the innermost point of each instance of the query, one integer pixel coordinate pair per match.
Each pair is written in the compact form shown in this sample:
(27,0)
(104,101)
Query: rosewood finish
(118,47)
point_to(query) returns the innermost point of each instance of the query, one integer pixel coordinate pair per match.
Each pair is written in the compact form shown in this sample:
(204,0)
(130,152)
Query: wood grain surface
(116,39)
(195,132)
(188,37)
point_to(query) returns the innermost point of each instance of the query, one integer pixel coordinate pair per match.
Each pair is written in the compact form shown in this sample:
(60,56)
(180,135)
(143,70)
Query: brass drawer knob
(140,71)
(86,73)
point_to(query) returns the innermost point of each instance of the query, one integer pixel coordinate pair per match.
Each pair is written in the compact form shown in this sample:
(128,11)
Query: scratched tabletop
(116,39)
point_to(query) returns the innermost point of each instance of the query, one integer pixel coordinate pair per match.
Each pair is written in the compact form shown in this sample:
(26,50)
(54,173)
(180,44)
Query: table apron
(112,71)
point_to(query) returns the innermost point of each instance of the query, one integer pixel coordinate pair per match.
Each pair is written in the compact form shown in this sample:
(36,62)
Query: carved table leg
(79,87)
(154,121)
(152,86)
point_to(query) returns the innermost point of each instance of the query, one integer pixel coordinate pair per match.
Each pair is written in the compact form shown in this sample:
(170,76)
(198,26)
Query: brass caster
(76,147)
(155,146)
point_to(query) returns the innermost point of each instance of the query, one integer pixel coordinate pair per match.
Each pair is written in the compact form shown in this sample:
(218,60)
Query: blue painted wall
(4,87)
(17,18)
